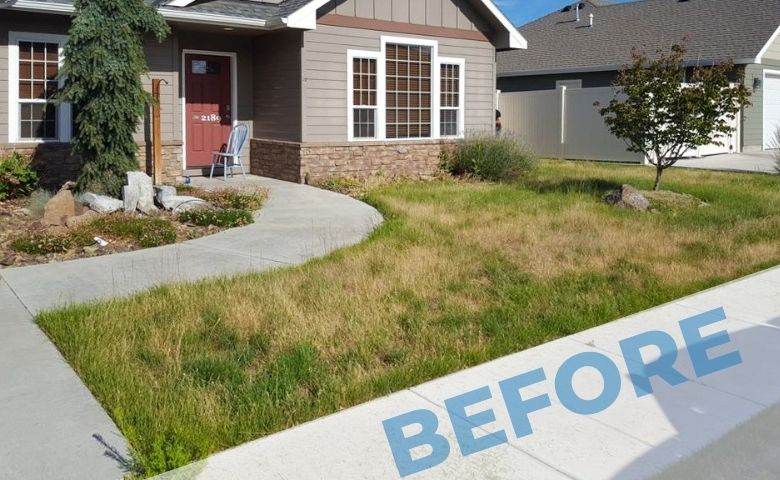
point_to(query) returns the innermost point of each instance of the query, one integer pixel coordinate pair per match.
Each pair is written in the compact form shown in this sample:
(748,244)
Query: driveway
(50,424)
(760,162)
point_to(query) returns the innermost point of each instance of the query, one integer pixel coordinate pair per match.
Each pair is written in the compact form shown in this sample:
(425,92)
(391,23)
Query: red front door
(208,112)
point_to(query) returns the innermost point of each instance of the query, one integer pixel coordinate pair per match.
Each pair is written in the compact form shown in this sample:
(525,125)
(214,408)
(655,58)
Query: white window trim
(381,128)
(461,63)
(380,98)
(64,127)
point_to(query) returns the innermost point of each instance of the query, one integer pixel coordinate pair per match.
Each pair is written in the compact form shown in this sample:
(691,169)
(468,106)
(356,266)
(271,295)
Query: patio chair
(229,156)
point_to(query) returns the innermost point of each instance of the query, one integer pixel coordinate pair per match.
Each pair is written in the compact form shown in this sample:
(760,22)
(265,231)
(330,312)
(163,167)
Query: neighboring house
(565,52)
(340,87)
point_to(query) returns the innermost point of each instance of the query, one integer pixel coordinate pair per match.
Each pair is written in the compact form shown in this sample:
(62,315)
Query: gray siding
(277,83)
(325,79)
(434,13)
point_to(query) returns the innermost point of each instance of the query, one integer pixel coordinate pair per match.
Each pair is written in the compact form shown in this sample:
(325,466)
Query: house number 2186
(211,118)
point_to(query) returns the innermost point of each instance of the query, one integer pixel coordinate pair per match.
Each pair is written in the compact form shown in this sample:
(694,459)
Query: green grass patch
(217,217)
(460,273)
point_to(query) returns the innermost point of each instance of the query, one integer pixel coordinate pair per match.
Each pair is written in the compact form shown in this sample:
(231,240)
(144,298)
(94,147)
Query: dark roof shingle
(715,30)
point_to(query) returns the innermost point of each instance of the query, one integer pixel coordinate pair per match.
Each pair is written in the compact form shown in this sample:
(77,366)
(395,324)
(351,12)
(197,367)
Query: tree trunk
(658,172)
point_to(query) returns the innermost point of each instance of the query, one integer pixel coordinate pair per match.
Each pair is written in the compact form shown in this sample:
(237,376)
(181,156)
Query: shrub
(236,199)
(38,201)
(343,185)
(491,158)
(222,218)
(17,178)
(148,232)
(42,244)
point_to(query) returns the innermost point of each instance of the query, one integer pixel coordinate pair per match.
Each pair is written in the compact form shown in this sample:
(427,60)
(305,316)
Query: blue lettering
(565,389)
(464,424)
(698,345)
(402,446)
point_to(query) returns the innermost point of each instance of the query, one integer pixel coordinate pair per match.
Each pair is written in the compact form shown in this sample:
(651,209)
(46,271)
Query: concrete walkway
(49,421)
(632,439)
(760,162)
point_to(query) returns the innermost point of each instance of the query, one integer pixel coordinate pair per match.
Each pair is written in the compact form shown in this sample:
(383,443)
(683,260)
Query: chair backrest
(237,138)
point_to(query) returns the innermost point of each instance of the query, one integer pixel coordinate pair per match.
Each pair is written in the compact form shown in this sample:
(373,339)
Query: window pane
(364,123)
(37,121)
(408,93)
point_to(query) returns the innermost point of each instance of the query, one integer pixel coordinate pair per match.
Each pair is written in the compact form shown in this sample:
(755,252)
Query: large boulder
(628,197)
(101,203)
(182,203)
(163,192)
(141,185)
(59,208)
(130,198)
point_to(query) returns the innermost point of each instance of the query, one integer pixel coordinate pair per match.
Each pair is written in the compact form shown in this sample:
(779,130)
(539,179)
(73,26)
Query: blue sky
(524,11)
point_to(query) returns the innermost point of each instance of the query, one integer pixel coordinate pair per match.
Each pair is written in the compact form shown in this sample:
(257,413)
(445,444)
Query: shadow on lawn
(595,186)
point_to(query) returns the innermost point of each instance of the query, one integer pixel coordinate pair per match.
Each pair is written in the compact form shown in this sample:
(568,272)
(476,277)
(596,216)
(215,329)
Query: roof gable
(716,30)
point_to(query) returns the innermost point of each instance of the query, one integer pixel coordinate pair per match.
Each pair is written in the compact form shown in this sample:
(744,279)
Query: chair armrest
(225,154)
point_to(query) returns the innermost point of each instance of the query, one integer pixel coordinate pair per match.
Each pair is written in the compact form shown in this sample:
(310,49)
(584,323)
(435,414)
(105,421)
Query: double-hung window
(34,66)
(451,103)
(405,91)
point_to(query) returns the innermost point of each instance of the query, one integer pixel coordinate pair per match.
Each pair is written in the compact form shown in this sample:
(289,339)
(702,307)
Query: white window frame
(461,64)
(381,119)
(64,127)
(380,96)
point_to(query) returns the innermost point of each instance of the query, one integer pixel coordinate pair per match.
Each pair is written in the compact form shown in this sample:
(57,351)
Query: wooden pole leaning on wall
(156,135)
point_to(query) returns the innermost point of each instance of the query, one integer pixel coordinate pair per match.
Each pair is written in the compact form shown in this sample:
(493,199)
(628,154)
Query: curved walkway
(50,425)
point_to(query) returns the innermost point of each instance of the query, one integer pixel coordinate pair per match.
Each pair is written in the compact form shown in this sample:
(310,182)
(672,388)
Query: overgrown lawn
(459,274)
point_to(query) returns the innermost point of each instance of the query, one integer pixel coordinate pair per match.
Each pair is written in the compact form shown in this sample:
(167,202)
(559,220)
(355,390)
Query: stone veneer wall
(309,162)
(56,165)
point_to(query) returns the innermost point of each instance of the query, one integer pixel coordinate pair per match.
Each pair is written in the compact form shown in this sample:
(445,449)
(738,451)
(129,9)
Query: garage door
(771,109)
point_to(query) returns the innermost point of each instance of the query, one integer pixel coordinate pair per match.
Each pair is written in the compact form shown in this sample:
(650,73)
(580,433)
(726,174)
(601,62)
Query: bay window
(405,91)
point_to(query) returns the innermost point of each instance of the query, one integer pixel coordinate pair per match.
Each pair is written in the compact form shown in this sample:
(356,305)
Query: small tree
(660,116)
(103,64)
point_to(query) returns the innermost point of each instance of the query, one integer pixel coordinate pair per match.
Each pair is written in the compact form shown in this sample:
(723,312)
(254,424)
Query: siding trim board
(399,27)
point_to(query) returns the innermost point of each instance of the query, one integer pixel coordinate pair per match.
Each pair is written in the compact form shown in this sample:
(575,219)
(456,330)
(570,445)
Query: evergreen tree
(103,64)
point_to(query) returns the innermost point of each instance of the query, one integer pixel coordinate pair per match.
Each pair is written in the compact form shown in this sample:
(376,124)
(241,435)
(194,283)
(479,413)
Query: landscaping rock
(145,186)
(59,208)
(183,203)
(101,203)
(78,220)
(628,197)
(163,192)
(130,196)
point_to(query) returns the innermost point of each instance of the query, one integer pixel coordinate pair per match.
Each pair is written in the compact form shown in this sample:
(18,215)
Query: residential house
(586,43)
(327,87)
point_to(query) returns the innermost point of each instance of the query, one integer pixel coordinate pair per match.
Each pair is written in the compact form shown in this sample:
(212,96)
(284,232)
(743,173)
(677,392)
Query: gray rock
(86,217)
(143,185)
(130,196)
(101,203)
(182,203)
(163,192)
(628,197)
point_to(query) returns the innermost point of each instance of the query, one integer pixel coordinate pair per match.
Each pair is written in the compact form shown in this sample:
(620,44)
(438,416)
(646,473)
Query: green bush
(42,244)
(223,218)
(148,232)
(491,158)
(343,185)
(236,199)
(17,178)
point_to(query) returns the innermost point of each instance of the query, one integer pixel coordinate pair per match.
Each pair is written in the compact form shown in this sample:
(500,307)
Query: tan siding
(277,101)
(325,79)
(773,53)
(753,116)
(160,57)
(433,13)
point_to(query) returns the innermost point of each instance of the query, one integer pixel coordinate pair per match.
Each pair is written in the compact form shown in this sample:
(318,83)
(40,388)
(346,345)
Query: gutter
(168,14)
(612,68)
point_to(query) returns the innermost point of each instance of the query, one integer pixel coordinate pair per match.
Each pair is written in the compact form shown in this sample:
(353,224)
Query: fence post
(156,136)
(563,123)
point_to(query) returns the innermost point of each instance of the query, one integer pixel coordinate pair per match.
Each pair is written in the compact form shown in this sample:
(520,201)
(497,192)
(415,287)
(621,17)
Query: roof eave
(612,68)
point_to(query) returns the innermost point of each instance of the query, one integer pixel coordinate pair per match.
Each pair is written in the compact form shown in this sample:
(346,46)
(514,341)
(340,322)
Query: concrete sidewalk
(49,421)
(635,438)
(759,162)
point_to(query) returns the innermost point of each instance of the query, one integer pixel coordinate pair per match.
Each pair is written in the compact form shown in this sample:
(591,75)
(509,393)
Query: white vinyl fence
(564,123)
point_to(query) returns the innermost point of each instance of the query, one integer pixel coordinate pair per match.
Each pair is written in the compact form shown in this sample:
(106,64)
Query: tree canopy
(663,109)
(103,64)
